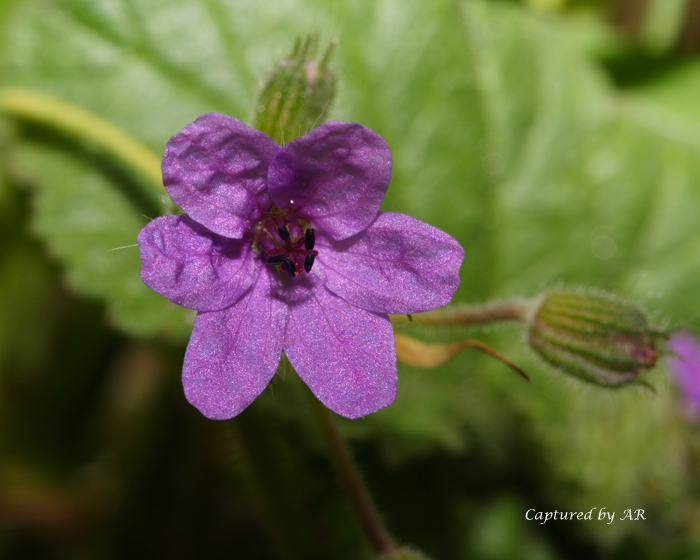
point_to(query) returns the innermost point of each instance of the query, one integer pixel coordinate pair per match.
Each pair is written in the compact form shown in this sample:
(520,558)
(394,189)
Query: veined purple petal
(346,355)
(398,265)
(336,176)
(233,354)
(215,169)
(193,267)
(684,362)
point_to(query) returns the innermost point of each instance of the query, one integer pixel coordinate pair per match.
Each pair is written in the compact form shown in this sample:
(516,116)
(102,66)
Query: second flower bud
(594,336)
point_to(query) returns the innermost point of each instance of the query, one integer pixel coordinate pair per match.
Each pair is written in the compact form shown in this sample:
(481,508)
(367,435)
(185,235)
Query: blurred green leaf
(675,91)
(90,225)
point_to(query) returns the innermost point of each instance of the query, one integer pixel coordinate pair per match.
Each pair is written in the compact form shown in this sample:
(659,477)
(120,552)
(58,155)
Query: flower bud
(298,93)
(594,336)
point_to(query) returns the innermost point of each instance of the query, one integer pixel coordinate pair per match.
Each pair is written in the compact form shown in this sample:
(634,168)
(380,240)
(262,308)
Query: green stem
(84,125)
(351,480)
(244,466)
(517,310)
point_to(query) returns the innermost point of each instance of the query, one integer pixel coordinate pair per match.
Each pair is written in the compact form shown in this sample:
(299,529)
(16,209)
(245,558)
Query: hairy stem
(351,480)
(517,310)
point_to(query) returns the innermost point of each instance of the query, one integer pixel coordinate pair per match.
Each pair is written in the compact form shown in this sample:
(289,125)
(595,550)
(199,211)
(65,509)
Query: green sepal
(298,94)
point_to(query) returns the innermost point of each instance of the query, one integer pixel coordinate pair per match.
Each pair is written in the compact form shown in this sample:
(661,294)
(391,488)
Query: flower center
(285,242)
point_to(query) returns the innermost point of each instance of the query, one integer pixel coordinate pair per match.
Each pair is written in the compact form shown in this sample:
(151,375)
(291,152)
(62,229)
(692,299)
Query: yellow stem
(84,125)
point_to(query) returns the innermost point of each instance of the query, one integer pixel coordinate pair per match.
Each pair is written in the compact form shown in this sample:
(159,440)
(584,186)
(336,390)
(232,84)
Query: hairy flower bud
(298,93)
(594,336)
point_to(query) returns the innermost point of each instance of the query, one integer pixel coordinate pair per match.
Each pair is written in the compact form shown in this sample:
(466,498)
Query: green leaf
(675,92)
(91,227)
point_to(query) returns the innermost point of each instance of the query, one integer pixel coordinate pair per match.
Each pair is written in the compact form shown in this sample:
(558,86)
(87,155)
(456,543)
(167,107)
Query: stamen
(309,240)
(291,252)
(284,233)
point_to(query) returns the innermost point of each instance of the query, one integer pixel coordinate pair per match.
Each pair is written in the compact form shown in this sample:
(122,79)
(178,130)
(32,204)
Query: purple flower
(684,362)
(284,248)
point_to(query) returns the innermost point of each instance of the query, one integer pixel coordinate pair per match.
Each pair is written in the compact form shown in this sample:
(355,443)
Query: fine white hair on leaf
(124,247)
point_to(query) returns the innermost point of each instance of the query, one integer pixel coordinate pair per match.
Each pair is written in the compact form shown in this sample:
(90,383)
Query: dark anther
(309,241)
(289,263)
(309,261)
(278,259)
(284,233)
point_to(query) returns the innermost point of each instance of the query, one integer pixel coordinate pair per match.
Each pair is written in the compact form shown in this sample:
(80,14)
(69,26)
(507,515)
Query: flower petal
(336,176)
(345,355)
(684,362)
(192,266)
(215,169)
(233,354)
(398,265)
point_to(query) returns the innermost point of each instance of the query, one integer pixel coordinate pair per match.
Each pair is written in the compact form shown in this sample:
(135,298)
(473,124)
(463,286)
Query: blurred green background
(558,141)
